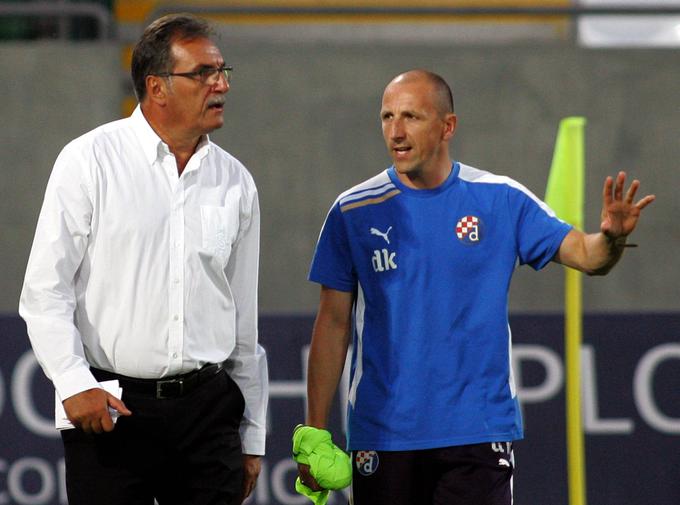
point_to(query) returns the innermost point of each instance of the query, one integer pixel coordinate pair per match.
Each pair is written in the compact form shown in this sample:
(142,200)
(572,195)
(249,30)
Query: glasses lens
(227,73)
(210,76)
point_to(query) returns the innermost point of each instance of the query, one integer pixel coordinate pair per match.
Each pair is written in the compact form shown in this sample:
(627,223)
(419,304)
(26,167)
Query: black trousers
(478,474)
(180,451)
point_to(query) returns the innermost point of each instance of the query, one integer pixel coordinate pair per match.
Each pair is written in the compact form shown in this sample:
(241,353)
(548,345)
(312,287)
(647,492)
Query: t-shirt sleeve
(539,232)
(332,261)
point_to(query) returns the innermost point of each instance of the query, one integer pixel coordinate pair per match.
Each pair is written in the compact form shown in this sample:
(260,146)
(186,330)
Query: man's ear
(450,122)
(156,89)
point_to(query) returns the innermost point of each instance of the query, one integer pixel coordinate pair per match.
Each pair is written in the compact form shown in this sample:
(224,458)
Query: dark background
(634,468)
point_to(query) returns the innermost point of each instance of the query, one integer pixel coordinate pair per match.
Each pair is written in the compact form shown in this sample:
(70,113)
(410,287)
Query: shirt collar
(152,145)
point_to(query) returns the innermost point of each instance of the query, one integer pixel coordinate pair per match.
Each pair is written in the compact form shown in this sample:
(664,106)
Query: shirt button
(176,281)
(175,317)
(174,355)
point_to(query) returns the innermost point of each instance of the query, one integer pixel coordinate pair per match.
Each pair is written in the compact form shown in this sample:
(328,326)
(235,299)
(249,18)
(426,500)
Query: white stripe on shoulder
(376,185)
(359,309)
(475,175)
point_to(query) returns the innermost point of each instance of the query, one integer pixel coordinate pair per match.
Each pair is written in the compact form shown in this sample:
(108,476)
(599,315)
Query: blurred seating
(56,19)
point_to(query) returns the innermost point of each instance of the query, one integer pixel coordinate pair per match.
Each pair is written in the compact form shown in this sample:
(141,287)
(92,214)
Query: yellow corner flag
(565,195)
(566,183)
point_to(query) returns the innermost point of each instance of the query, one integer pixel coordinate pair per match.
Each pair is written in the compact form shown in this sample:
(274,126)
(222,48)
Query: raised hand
(619,214)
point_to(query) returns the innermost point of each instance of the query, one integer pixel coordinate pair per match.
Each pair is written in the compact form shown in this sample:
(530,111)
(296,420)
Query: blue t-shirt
(431,271)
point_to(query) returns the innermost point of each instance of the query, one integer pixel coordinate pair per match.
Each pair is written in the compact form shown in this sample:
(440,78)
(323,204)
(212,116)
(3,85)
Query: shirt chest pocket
(219,227)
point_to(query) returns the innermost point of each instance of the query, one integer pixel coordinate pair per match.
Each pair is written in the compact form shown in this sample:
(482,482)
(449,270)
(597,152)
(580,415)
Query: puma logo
(375,231)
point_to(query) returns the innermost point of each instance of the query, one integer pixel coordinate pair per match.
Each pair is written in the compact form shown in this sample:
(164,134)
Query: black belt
(168,387)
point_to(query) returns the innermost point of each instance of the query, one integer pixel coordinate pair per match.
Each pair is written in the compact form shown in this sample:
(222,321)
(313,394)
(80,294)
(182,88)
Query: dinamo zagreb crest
(366,462)
(469,230)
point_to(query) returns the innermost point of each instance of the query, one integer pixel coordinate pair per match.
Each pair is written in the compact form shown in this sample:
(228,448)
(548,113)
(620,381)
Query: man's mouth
(216,105)
(401,151)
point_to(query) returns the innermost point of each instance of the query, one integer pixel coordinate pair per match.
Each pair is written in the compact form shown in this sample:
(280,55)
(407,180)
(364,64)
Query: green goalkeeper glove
(329,465)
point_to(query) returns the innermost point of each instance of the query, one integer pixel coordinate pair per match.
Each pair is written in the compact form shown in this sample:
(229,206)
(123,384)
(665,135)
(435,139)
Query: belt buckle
(163,392)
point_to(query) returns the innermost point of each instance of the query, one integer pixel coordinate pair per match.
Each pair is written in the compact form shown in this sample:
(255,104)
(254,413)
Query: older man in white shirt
(144,270)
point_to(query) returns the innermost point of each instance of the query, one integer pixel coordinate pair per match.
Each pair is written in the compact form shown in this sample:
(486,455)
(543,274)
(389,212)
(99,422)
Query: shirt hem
(433,444)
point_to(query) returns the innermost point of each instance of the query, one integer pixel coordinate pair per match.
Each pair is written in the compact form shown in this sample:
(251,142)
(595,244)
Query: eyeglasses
(207,75)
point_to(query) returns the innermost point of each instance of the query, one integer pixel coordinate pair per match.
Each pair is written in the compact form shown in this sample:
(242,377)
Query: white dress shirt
(145,273)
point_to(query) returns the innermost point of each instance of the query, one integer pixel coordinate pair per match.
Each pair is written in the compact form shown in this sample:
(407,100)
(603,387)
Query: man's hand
(89,410)
(307,479)
(252,465)
(620,215)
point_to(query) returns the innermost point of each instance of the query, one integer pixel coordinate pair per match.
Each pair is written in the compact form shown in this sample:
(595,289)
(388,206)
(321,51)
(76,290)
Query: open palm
(619,214)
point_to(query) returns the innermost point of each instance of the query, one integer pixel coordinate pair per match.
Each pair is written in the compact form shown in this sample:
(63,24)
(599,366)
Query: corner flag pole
(565,195)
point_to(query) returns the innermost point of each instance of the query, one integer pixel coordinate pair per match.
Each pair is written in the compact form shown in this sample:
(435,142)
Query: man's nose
(222,84)
(397,131)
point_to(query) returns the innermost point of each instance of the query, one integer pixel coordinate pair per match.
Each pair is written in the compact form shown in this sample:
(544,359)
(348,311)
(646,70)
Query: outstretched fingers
(630,194)
(618,188)
(607,191)
(645,201)
(613,191)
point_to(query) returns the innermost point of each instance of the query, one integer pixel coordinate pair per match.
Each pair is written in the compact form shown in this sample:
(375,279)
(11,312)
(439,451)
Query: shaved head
(418,122)
(443,97)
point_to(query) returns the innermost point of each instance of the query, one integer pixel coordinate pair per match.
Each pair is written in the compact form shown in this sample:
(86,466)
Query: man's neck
(427,177)
(183,153)
(181,146)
